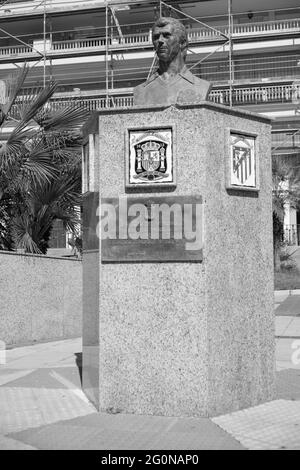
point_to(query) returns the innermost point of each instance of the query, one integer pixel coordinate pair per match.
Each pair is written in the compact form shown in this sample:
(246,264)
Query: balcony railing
(137,40)
(125,41)
(198,34)
(240,96)
(133,39)
(257,95)
(78,44)
(250,29)
(17,51)
(288,138)
(251,68)
(266,27)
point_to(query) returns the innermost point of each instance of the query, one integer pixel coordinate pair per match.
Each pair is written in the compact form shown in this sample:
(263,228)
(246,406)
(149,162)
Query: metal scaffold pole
(230,24)
(106,54)
(44,37)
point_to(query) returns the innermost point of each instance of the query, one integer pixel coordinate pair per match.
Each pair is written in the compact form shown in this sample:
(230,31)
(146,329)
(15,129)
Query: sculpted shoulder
(202,85)
(139,90)
(186,89)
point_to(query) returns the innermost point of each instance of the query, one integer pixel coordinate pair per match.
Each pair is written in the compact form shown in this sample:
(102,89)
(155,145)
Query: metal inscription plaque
(151,229)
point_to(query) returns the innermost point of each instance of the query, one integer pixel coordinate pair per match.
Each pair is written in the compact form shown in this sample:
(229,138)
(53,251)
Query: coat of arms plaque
(243,171)
(150,159)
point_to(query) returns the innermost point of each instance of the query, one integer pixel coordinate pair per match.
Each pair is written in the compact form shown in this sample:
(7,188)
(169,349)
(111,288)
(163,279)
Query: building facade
(98,51)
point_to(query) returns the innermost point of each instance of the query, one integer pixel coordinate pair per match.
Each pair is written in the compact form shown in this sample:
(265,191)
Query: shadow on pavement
(78,361)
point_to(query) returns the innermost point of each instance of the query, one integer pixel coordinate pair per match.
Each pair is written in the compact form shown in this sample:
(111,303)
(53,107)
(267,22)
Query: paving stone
(272,425)
(7,443)
(282,323)
(22,408)
(290,306)
(164,426)
(46,409)
(125,422)
(12,375)
(66,436)
(288,384)
(46,378)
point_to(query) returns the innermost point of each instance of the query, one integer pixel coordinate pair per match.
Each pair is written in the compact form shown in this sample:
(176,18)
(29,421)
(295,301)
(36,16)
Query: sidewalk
(287,311)
(42,405)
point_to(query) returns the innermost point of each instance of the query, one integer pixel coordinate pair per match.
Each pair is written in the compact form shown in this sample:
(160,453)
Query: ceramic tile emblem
(243,167)
(150,158)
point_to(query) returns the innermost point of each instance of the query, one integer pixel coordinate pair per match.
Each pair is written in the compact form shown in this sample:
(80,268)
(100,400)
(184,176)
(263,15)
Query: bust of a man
(173,82)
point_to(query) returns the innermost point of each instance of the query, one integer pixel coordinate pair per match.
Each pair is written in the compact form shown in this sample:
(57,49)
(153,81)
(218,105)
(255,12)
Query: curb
(287,292)
(287,337)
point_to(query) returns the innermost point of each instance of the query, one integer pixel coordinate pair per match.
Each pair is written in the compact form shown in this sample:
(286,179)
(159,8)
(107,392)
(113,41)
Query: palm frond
(66,147)
(14,83)
(63,192)
(41,176)
(6,242)
(29,108)
(64,118)
(39,167)
(22,234)
(12,148)
(68,156)
(70,219)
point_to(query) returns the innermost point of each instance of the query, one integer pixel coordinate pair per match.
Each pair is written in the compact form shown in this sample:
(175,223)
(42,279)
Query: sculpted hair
(179,28)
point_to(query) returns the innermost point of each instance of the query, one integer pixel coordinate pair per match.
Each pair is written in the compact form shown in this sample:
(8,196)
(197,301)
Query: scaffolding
(227,39)
(113,32)
(110,8)
(112,25)
(111,22)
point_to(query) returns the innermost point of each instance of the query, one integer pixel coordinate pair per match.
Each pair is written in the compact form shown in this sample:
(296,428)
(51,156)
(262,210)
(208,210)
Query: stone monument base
(183,338)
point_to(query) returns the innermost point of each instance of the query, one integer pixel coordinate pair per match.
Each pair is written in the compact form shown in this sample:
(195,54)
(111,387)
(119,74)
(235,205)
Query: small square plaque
(242,172)
(150,157)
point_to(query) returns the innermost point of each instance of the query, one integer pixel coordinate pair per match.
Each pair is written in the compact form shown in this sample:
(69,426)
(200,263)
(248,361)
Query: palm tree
(40,174)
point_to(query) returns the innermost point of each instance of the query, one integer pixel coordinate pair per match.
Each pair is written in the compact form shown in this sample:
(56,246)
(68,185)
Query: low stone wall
(40,298)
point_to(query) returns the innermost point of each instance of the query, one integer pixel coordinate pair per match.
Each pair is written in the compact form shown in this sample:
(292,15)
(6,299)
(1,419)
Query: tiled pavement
(130,432)
(287,303)
(42,405)
(270,426)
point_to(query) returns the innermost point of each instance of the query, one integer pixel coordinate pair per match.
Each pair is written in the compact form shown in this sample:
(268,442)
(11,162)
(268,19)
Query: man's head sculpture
(174,33)
(173,82)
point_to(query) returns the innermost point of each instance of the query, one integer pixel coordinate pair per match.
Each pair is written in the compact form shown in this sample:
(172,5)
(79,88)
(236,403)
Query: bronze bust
(173,82)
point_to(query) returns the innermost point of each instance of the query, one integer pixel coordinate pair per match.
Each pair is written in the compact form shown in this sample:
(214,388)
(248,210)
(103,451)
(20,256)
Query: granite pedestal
(200,341)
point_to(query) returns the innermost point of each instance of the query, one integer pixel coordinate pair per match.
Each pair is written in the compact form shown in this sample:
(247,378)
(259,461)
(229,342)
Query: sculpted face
(166,42)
